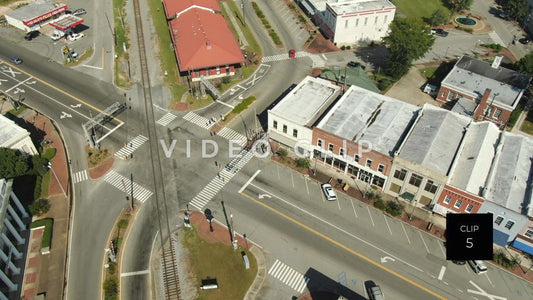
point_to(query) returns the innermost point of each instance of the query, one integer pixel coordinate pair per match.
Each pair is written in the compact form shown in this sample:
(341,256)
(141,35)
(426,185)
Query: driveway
(409,89)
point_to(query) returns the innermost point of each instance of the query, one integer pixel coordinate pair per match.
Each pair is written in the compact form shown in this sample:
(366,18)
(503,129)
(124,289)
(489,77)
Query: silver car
(329,192)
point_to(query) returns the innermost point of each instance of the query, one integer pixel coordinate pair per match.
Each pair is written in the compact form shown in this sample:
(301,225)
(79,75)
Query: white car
(56,36)
(75,36)
(329,192)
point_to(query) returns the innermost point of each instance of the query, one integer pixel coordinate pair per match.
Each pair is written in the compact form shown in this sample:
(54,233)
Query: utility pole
(131,190)
(243,17)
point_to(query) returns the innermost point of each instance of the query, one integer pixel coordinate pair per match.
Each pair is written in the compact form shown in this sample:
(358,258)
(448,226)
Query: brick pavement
(33,266)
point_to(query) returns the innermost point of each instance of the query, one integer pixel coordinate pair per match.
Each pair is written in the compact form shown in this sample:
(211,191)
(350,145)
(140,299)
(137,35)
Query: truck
(375,293)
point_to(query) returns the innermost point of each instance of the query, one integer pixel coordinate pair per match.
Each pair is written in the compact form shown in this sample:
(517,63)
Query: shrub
(469,30)
(303,162)
(226,80)
(502,259)
(302,19)
(348,47)
(496,47)
(379,204)
(110,289)
(38,185)
(282,152)
(243,105)
(343,47)
(112,268)
(394,208)
(275,37)
(123,223)
(39,207)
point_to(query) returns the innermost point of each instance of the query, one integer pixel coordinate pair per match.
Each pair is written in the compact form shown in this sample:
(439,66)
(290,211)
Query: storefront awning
(408,196)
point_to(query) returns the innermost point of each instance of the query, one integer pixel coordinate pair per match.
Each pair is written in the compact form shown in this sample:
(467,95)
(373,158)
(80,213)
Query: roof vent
(208,45)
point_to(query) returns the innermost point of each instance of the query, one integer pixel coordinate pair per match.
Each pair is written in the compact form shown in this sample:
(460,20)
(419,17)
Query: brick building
(483,91)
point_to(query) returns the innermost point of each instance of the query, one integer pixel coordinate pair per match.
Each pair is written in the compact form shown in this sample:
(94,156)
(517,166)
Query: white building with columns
(12,214)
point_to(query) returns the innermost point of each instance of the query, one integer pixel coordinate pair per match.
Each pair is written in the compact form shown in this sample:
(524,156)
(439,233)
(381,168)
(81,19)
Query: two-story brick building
(360,133)
(483,91)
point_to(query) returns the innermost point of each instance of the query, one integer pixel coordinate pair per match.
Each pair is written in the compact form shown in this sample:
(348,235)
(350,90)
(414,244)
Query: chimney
(497,61)
(482,104)
(208,45)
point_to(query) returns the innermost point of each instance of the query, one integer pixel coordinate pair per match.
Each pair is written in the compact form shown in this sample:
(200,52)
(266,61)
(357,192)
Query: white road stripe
(135,273)
(442,270)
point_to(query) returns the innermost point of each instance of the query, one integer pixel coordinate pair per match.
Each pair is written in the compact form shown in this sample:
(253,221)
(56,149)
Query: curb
(256,286)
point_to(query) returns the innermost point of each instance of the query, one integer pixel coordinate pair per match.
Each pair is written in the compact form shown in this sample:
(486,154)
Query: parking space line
(249,181)
(368,209)
(351,200)
(338,204)
(292,179)
(408,240)
(278,172)
(386,222)
(442,249)
(441,274)
(424,242)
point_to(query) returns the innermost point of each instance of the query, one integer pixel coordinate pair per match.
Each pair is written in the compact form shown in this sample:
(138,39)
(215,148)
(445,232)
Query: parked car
(31,35)
(73,54)
(439,32)
(504,15)
(459,262)
(354,64)
(478,266)
(373,291)
(79,11)
(292,53)
(74,36)
(524,41)
(16,60)
(329,192)
(56,36)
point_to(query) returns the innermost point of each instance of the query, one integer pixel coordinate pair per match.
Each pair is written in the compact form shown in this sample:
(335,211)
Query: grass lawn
(45,184)
(428,72)
(527,125)
(47,235)
(419,8)
(220,261)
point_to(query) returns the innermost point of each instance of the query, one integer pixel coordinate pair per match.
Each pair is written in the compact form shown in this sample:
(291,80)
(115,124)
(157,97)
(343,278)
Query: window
(447,199)
(356,158)
(341,151)
(451,96)
(509,225)
(319,143)
(330,147)
(369,163)
(275,124)
(295,133)
(443,94)
(458,203)
(469,208)
(376,21)
(497,113)
(400,174)
(498,220)
(346,24)
(431,187)
(529,233)
(227,70)
(415,180)
(356,22)
(284,128)
(487,111)
(366,21)
(218,70)
(381,168)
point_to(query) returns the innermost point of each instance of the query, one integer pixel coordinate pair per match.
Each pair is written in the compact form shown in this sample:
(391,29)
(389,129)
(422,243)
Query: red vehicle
(292,53)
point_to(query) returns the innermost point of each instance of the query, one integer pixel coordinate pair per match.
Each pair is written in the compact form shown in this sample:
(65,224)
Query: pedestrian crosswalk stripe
(131,146)
(166,119)
(199,120)
(288,276)
(232,135)
(124,184)
(220,180)
(284,56)
(80,176)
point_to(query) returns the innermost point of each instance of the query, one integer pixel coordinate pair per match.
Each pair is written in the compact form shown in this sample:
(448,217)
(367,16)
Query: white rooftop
(364,115)
(33,10)
(304,104)
(473,163)
(435,138)
(510,181)
(352,6)
(9,131)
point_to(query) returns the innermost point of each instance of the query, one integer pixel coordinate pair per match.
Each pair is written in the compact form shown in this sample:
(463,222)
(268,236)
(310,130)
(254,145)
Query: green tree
(458,5)
(438,17)
(13,163)
(525,64)
(39,207)
(517,9)
(39,165)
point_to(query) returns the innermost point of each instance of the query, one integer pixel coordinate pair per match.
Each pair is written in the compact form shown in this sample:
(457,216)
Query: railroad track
(168,259)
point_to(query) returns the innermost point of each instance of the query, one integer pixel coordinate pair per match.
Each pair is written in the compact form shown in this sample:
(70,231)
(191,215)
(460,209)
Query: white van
(478,266)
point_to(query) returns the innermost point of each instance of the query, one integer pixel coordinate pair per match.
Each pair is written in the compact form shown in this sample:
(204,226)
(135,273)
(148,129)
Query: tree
(525,64)
(13,163)
(458,5)
(408,40)
(39,165)
(438,17)
(39,207)
(517,9)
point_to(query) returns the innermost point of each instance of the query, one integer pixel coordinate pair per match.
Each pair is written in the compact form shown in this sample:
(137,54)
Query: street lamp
(209,217)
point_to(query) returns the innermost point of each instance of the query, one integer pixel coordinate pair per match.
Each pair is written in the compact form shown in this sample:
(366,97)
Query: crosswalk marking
(223,177)
(166,119)
(80,176)
(284,56)
(288,276)
(199,120)
(233,135)
(131,146)
(123,183)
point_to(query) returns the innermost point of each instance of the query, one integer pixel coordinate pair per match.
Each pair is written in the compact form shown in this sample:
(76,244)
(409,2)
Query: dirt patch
(321,45)
(102,168)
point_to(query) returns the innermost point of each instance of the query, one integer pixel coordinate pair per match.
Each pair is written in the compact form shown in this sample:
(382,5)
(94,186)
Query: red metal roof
(200,35)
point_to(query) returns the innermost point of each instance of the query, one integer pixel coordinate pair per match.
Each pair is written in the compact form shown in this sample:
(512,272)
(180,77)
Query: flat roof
(354,76)
(465,107)
(435,138)
(475,76)
(9,130)
(375,118)
(473,163)
(307,100)
(352,6)
(66,21)
(509,184)
(34,10)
